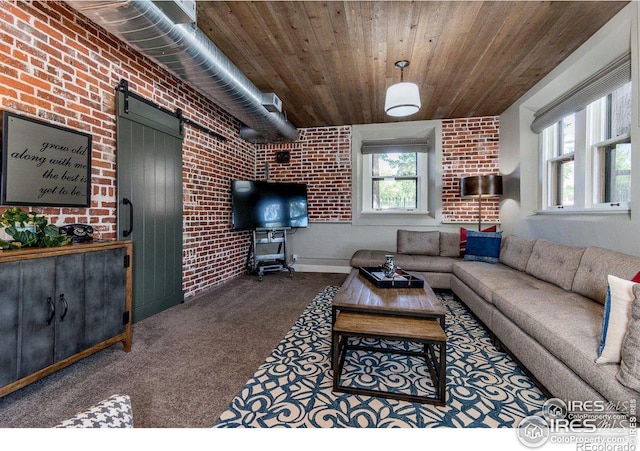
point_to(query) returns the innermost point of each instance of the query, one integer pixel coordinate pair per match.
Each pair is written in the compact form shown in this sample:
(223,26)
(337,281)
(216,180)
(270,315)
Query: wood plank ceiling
(331,62)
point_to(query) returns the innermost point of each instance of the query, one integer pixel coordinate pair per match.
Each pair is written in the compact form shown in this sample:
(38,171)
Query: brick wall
(469,147)
(321,158)
(58,67)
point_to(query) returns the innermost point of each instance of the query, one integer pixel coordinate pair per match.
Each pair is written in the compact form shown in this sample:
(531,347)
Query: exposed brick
(75,66)
(56,65)
(322,159)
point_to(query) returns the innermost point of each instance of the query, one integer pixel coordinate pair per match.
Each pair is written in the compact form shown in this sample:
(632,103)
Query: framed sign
(44,164)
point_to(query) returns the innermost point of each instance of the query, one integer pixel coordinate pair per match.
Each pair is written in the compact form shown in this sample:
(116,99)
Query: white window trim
(367,188)
(414,129)
(589,129)
(594,166)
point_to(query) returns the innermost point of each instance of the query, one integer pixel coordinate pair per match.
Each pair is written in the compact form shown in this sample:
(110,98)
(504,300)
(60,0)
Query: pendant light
(403,99)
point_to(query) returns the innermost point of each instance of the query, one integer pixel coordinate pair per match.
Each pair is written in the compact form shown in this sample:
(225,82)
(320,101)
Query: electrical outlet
(294,257)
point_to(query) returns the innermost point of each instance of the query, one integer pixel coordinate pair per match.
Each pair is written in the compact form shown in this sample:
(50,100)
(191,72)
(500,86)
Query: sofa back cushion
(596,265)
(419,243)
(554,263)
(515,252)
(449,244)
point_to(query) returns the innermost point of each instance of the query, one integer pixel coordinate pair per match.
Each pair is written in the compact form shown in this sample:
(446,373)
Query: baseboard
(323,268)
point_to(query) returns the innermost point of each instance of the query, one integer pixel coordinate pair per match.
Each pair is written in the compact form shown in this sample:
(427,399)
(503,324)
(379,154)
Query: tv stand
(263,257)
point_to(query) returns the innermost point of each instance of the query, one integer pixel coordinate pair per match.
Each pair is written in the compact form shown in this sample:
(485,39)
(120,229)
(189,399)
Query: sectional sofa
(430,254)
(543,302)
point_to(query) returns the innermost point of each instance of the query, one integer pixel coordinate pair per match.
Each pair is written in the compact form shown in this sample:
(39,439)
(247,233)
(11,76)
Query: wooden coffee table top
(358,294)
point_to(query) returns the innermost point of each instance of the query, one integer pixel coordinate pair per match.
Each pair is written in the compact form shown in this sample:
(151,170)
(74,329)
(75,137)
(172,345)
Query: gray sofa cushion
(421,263)
(484,278)
(515,251)
(596,264)
(568,326)
(418,243)
(368,258)
(425,263)
(629,374)
(449,244)
(554,263)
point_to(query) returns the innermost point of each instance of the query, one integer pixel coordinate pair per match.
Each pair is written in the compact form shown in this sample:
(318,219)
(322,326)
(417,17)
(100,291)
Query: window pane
(618,173)
(395,164)
(391,194)
(565,184)
(568,134)
(621,111)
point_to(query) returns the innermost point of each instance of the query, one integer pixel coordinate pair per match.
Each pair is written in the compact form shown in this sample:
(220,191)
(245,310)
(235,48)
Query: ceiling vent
(179,11)
(272,102)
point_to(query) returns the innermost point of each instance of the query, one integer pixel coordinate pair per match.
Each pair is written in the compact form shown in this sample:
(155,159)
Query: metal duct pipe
(186,52)
(253,136)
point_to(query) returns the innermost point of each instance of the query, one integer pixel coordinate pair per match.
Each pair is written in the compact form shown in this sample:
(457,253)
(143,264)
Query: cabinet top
(73,248)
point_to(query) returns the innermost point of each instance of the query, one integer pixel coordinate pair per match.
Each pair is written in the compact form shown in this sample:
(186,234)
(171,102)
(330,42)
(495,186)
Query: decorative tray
(401,279)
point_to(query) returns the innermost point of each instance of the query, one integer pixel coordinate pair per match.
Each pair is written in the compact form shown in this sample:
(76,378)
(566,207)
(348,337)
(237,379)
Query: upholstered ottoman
(113,412)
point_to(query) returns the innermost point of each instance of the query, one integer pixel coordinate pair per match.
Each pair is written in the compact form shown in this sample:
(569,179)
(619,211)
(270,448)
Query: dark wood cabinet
(9,320)
(60,305)
(36,325)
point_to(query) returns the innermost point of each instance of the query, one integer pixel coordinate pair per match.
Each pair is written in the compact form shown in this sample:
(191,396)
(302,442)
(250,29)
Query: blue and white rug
(293,387)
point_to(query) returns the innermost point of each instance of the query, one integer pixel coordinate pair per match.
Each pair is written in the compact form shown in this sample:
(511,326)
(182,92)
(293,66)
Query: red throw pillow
(463,238)
(636,279)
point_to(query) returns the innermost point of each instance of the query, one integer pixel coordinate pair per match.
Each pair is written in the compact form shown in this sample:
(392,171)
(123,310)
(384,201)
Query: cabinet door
(9,321)
(70,308)
(38,316)
(105,298)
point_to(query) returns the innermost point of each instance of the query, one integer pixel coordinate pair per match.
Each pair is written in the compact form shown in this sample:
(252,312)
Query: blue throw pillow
(483,246)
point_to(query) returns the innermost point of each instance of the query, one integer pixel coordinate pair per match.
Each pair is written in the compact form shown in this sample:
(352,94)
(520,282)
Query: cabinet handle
(52,311)
(66,307)
(126,201)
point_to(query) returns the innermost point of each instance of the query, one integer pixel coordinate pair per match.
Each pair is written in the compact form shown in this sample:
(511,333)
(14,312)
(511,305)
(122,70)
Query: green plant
(30,230)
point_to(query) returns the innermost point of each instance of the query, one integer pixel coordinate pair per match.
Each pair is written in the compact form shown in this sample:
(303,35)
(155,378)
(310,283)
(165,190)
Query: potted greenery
(29,230)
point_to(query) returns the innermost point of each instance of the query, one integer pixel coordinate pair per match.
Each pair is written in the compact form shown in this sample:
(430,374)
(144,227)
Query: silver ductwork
(186,52)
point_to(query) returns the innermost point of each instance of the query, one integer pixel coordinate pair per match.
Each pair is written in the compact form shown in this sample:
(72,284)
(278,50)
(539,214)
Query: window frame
(592,134)
(552,144)
(601,172)
(433,173)
(421,187)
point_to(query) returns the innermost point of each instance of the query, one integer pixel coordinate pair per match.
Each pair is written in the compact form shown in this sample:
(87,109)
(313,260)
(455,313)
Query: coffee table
(361,309)
(357,294)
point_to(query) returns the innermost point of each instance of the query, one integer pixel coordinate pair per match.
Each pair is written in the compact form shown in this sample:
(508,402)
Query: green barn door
(149,174)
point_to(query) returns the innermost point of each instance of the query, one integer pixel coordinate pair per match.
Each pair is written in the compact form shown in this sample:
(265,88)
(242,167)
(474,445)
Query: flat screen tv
(267,205)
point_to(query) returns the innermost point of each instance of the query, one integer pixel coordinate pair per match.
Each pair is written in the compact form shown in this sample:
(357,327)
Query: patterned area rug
(293,387)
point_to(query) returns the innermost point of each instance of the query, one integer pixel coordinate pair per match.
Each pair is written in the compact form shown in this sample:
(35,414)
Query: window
(394,181)
(614,182)
(586,156)
(560,145)
(585,142)
(396,173)
(612,151)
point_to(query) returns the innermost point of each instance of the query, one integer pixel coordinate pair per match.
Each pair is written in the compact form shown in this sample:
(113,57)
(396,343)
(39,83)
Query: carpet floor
(186,363)
(293,387)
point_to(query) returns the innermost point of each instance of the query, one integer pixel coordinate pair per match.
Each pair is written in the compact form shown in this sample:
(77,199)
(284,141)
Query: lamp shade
(403,99)
(481,186)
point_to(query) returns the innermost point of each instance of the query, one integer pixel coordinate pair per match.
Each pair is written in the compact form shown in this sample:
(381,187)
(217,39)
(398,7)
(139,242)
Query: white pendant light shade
(403,99)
